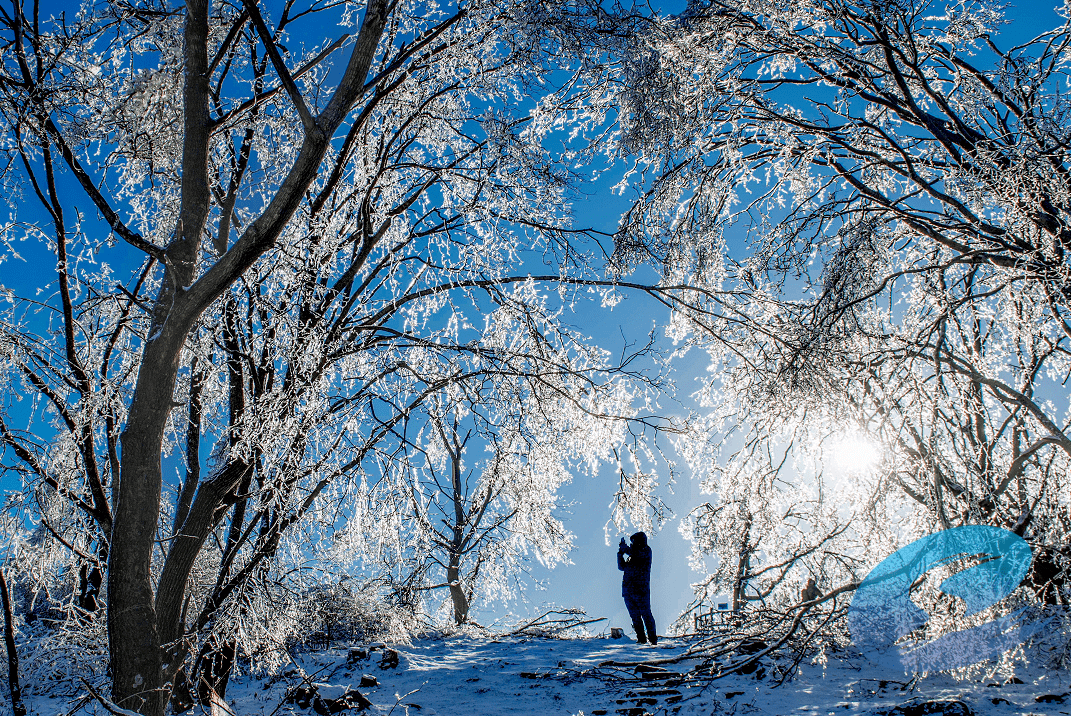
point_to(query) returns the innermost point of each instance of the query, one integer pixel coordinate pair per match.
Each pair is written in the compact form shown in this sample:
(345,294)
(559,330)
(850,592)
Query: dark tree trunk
(743,566)
(90,579)
(143,620)
(1048,573)
(17,707)
(217,663)
(133,627)
(457,592)
(182,697)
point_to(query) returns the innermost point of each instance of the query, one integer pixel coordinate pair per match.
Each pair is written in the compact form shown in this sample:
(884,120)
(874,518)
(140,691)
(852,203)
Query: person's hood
(640,538)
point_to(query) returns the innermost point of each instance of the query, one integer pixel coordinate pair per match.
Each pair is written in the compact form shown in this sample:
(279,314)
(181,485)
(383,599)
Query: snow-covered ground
(472,676)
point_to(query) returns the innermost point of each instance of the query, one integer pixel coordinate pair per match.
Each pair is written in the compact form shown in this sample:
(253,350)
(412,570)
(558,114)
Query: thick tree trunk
(137,620)
(132,626)
(133,631)
(182,696)
(207,509)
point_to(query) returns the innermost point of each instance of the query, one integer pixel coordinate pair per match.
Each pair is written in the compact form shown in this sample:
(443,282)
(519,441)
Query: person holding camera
(635,561)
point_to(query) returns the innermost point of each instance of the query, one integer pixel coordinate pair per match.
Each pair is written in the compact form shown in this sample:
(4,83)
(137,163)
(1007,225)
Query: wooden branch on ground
(572,618)
(698,653)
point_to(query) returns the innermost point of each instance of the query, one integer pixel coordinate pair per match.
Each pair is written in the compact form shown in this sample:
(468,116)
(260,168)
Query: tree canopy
(319,260)
(324,240)
(883,189)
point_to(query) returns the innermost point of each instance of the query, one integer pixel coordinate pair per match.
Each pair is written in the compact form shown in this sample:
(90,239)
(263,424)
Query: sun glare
(856,453)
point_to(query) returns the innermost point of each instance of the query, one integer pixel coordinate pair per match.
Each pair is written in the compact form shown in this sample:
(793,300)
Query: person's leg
(648,622)
(637,624)
(635,613)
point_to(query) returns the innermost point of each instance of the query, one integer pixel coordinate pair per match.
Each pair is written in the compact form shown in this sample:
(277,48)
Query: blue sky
(592,581)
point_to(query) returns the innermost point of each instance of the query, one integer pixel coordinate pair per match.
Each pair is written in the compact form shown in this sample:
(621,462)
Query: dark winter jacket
(636,582)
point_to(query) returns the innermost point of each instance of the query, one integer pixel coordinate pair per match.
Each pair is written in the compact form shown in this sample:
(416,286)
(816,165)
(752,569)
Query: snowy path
(460,676)
(464,676)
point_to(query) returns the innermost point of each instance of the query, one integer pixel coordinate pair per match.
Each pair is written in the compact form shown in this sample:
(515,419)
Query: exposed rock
(302,696)
(367,680)
(323,700)
(752,646)
(1051,698)
(352,699)
(389,660)
(874,686)
(755,667)
(331,691)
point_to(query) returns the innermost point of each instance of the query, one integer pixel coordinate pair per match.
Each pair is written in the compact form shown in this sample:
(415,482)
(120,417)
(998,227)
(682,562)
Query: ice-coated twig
(109,706)
(398,699)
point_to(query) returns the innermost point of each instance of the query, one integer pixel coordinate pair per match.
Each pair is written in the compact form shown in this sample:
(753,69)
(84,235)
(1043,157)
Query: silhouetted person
(810,592)
(635,562)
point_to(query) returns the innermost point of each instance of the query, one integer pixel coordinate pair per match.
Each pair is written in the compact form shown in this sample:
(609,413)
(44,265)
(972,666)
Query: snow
(475,676)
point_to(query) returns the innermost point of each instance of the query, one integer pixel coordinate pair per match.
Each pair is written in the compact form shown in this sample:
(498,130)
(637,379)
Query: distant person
(810,592)
(635,562)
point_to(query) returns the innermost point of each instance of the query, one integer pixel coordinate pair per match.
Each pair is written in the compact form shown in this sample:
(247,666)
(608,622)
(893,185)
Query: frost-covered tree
(469,521)
(883,186)
(467,489)
(263,281)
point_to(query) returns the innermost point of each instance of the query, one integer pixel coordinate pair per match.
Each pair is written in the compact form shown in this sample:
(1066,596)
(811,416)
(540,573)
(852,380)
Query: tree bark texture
(457,592)
(141,623)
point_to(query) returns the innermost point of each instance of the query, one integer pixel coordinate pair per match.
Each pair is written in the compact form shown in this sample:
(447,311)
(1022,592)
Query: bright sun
(856,453)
